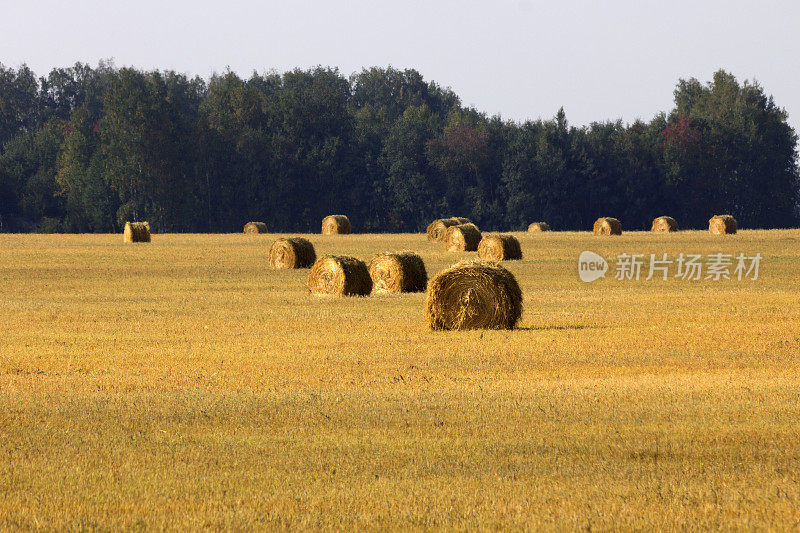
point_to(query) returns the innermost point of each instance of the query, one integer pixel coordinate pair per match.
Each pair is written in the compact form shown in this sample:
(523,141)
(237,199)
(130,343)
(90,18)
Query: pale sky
(521,59)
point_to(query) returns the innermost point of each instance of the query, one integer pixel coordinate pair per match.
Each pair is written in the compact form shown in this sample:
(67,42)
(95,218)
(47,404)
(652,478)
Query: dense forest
(85,149)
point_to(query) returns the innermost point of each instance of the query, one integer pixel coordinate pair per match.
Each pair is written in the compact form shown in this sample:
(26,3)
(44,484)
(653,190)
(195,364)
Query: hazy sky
(517,58)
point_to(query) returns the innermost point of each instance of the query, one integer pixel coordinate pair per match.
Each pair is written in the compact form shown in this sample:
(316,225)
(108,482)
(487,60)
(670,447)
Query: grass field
(182,385)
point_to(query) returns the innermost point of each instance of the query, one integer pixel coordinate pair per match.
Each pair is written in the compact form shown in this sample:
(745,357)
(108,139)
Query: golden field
(181,384)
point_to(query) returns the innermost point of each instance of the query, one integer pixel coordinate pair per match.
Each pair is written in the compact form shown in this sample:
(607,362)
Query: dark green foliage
(20,111)
(85,149)
(29,192)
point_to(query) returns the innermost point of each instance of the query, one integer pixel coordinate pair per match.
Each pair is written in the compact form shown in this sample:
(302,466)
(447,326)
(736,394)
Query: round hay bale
(664,225)
(499,248)
(462,238)
(137,232)
(339,275)
(255,227)
(398,272)
(722,224)
(295,252)
(473,295)
(607,226)
(438,227)
(539,226)
(335,225)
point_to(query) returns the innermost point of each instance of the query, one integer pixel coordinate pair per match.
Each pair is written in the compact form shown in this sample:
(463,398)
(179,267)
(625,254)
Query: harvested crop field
(184,385)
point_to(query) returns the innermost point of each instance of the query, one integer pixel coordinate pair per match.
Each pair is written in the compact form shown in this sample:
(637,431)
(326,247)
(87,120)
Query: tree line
(84,149)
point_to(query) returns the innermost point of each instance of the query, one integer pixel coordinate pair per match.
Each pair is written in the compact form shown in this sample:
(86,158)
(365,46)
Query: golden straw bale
(438,227)
(607,226)
(398,272)
(335,225)
(295,252)
(722,224)
(462,238)
(137,232)
(499,248)
(339,275)
(473,295)
(539,226)
(255,227)
(664,224)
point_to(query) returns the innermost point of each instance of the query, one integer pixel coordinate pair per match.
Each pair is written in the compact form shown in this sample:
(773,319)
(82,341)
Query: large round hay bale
(664,225)
(473,295)
(438,227)
(435,230)
(335,225)
(339,275)
(462,238)
(499,248)
(295,252)
(607,226)
(255,227)
(398,272)
(722,224)
(137,232)
(539,226)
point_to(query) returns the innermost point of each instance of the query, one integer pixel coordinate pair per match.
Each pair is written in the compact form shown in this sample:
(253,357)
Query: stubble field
(182,384)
